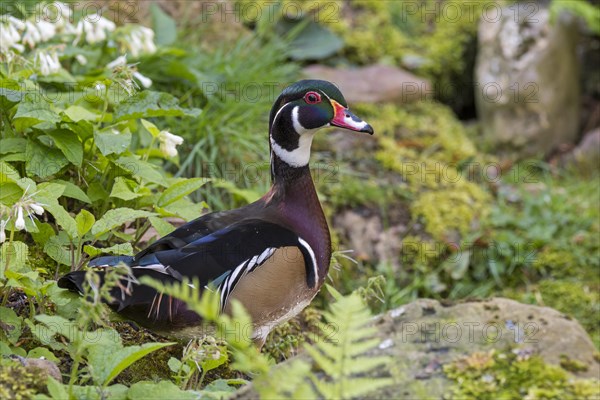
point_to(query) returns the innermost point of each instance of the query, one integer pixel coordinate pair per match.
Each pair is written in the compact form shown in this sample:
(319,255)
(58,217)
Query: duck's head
(300,111)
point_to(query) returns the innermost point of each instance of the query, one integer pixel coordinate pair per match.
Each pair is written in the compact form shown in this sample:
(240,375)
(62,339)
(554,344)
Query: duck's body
(272,255)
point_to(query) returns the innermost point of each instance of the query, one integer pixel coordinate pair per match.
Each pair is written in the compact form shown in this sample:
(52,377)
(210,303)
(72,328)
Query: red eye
(312,98)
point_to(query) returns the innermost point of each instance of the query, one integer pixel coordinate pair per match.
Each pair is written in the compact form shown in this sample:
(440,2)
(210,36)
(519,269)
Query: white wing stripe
(305,244)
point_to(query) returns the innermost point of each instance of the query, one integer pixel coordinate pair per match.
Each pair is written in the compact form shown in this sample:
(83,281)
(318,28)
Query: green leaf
(149,104)
(182,208)
(33,110)
(43,161)
(162,227)
(106,362)
(8,173)
(85,220)
(11,324)
(78,113)
(180,190)
(57,251)
(150,127)
(159,391)
(42,352)
(73,191)
(164,26)
(68,142)
(122,189)
(141,169)
(117,217)
(16,253)
(56,389)
(63,218)
(12,145)
(313,42)
(10,193)
(112,141)
(123,249)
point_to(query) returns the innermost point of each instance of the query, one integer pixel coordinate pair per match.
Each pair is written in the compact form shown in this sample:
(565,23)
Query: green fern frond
(344,357)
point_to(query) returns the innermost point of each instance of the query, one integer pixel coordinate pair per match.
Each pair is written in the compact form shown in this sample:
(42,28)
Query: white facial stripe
(300,156)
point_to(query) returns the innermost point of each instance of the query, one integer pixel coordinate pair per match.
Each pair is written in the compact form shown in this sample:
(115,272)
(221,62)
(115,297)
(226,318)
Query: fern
(344,357)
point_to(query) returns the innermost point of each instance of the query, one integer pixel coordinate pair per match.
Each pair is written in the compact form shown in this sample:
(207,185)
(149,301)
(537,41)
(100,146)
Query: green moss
(285,339)
(572,365)
(428,146)
(20,383)
(499,375)
(570,297)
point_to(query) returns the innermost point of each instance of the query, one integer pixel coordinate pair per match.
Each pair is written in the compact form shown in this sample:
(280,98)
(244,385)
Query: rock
(374,83)
(425,335)
(366,235)
(587,153)
(527,80)
(41,367)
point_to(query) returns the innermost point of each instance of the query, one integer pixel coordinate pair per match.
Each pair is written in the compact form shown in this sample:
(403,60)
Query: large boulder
(426,336)
(527,79)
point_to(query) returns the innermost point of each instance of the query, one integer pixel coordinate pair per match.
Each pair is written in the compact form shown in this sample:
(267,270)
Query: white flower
(32,34)
(46,29)
(48,64)
(37,208)
(144,80)
(94,27)
(120,61)
(2,233)
(81,59)
(168,141)
(140,40)
(20,221)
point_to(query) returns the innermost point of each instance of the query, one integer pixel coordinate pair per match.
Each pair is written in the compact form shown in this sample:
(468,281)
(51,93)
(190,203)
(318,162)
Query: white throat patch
(300,156)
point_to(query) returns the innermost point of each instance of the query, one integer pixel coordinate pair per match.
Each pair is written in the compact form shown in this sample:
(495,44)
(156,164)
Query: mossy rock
(477,349)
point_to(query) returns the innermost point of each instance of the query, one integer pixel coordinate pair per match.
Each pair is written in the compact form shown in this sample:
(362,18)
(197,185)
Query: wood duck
(272,255)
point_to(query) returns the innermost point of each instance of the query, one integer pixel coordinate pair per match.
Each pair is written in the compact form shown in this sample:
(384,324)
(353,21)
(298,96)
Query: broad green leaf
(11,324)
(13,145)
(11,92)
(159,391)
(56,389)
(10,193)
(42,352)
(164,26)
(43,161)
(62,217)
(122,189)
(73,191)
(8,173)
(141,169)
(68,142)
(117,217)
(108,362)
(182,208)
(123,249)
(78,113)
(150,127)
(13,255)
(313,42)
(179,190)
(85,220)
(162,227)
(57,251)
(32,111)
(50,190)
(112,141)
(148,104)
